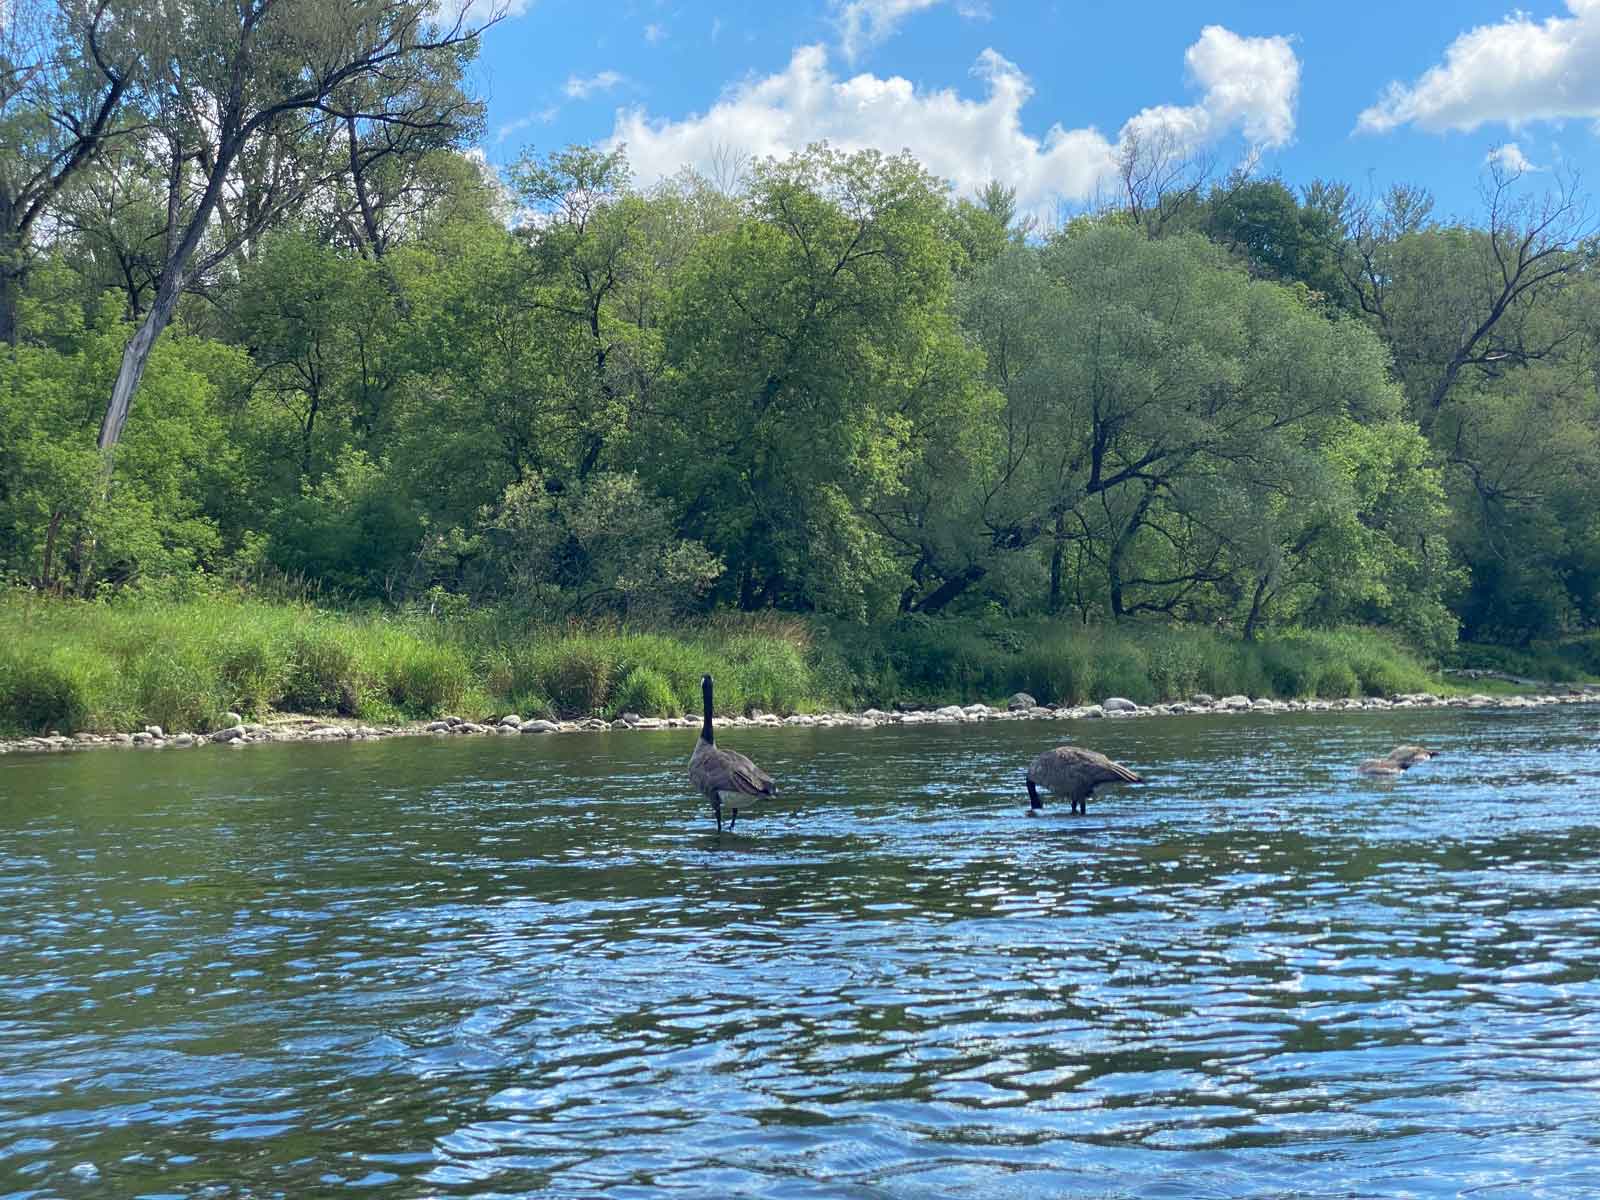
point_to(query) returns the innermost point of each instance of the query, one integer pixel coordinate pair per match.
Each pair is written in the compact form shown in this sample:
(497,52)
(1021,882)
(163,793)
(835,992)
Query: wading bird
(721,773)
(1401,758)
(1073,772)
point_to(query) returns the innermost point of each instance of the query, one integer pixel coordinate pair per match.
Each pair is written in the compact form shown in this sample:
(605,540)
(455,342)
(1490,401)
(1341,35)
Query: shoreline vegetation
(238,669)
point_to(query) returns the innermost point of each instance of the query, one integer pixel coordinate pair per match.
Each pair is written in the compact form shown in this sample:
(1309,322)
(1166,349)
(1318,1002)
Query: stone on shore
(1021,700)
(1118,704)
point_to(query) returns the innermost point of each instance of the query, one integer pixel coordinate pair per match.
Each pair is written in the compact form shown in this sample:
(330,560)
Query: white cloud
(1518,71)
(864,23)
(716,28)
(1249,86)
(581,89)
(653,33)
(1510,159)
(542,116)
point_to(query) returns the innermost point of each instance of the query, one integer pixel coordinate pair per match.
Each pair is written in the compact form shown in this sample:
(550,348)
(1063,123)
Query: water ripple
(526,967)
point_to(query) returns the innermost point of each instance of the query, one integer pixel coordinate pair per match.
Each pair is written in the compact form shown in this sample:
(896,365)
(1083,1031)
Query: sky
(1037,93)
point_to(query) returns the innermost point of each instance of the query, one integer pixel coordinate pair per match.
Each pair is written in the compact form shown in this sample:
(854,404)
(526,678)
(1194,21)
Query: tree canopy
(366,362)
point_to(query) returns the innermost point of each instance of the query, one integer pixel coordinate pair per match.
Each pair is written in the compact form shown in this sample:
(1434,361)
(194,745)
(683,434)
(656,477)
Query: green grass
(119,665)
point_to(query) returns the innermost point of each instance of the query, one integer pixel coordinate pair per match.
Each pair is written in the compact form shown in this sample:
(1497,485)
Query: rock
(1021,700)
(1117,704)
(594,723)
(1202,699)
(539,726)
(452,721)
(1092,711)
(511,719)
(233,718)
(469,727)
(1235,703)
(143,739)
(154,731)
(437,727)
(231,734)
(629,719)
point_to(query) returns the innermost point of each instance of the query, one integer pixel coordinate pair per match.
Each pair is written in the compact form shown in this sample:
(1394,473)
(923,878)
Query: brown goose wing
(713,769)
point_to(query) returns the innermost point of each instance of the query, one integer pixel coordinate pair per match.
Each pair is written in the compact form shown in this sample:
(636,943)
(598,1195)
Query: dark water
(526,966)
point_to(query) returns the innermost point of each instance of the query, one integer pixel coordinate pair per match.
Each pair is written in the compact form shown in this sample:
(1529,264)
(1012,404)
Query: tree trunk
(10,286)
(1119,550)
(951,588)
(1257,604)
(1056,553)
(134,357)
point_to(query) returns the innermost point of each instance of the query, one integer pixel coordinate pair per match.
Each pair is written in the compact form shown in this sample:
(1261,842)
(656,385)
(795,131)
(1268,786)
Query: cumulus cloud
(1517,71)
(1249,86)
(581,88)
(1510,159)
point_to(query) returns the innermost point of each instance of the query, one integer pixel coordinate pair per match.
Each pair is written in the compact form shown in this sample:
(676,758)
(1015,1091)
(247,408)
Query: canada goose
(1073,772)
(718,773)
(1401,758)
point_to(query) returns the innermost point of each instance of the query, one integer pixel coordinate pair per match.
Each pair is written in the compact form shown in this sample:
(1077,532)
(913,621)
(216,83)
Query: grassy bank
(118,666)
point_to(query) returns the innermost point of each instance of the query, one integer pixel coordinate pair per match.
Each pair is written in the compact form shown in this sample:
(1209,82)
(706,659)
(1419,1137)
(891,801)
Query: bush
(178,688)
(647,693)
(421,679)
(575,674)
(44,689)
(325,673)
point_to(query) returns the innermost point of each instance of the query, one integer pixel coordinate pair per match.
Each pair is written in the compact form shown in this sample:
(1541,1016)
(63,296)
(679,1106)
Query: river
(529,966)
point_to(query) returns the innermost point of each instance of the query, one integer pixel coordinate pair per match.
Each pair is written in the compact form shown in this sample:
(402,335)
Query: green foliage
(45,688)
(824,388)
(647,693)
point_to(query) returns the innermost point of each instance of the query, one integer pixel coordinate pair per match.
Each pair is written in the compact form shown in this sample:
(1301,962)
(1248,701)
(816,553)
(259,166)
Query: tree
(810,355)
(246,101)
(65,74)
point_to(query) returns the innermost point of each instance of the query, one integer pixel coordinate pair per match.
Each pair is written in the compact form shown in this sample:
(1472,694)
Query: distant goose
(718,773)
(1073,772)
(1398,760)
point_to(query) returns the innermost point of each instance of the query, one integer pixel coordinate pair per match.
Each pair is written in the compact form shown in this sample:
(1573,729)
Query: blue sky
(1039,92)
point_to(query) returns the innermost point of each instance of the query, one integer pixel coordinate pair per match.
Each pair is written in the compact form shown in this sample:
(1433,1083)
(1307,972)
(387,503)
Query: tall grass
(186,664)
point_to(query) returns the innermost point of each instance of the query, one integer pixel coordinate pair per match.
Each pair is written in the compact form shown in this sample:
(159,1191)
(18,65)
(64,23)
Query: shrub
(325,673)
(49,689)
(647,693)
(421,679)
(575,674)
(177,687)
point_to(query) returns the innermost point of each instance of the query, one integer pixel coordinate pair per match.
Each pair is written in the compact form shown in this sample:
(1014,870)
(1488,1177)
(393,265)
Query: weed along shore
(313,729)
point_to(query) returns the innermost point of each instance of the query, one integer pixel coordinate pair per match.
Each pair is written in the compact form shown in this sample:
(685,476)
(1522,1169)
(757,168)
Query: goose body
(1397,761)
(720,774)
(1073,772)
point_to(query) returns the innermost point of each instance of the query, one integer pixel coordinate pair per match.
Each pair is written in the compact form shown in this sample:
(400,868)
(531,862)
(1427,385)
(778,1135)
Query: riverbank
(312,729)
(89,672)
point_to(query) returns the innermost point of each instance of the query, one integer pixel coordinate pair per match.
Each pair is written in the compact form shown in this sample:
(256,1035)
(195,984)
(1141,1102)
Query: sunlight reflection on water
(529,966)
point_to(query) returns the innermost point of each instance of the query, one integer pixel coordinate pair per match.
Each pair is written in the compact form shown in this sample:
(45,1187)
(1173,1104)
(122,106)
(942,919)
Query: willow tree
(250,104)
(811,353)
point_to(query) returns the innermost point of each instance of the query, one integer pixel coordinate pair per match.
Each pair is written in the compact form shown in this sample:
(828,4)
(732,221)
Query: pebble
(240,734)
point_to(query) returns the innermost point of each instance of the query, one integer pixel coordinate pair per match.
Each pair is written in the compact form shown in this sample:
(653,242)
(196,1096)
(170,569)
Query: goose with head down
(1397,761)
(721,774)
(1073,772)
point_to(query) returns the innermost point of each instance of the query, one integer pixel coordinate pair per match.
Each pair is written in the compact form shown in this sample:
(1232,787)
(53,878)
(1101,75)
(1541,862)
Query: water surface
(529,966)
